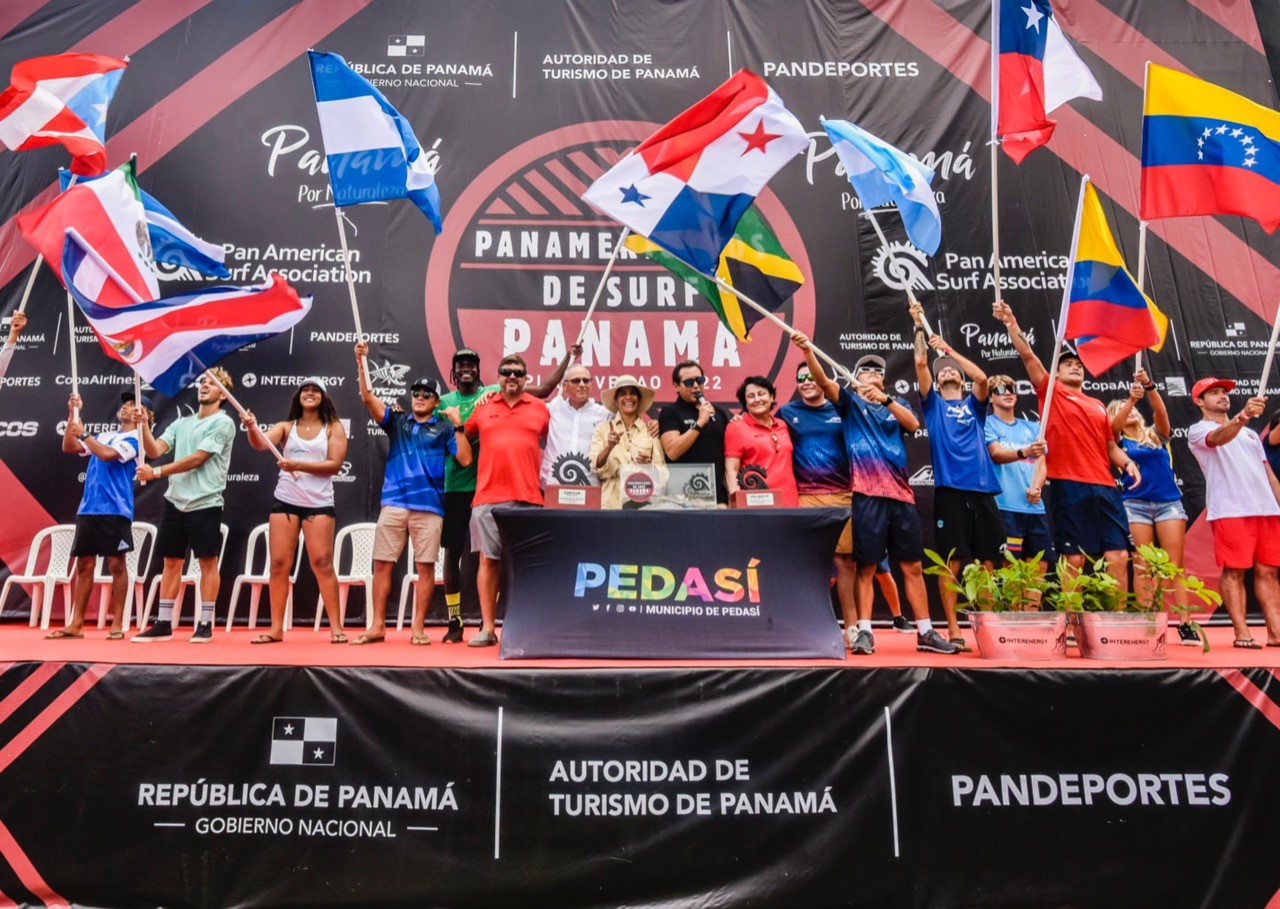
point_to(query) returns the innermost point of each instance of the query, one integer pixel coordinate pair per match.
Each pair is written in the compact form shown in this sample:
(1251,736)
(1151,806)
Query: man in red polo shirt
(510,428)
(1085,507)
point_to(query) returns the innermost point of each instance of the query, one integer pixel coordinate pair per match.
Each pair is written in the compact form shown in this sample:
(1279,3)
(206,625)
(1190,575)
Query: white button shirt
(570,431)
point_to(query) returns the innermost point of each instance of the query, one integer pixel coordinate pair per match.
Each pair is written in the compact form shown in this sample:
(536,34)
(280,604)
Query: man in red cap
(1242,497)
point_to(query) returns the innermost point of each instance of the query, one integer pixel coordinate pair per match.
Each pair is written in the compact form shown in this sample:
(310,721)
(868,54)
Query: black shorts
(969,523)
(302,511)
(199,530)
(883,526)
(102,535)
(1088,518)
(1026,534)
(455,535)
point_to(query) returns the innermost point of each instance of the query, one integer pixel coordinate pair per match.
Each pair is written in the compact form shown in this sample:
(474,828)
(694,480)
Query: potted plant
(1116,625)
(1002,605)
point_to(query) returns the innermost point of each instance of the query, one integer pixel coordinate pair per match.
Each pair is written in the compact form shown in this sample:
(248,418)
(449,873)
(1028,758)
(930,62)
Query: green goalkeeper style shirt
(456,477)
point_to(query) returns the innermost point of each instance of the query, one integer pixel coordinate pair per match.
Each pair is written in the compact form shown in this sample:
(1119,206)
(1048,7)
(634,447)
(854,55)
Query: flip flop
(368,639)
(1247,644)
(266,639)
(420,640)
(337,637)
(115,636)
(1276,644)
(61,634)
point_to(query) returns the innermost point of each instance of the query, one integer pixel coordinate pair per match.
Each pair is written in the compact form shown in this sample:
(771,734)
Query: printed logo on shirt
(960,412)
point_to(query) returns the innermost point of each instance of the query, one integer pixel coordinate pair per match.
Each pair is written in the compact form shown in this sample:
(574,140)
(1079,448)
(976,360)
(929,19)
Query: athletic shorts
(883,526)
(1144,511)
(102,535)
(844,546)
(1245,542)
(199,530)
(302,511)
(395,525)
(456,536)
(967,523)
(484,529)
(1088,518)
(1026,534)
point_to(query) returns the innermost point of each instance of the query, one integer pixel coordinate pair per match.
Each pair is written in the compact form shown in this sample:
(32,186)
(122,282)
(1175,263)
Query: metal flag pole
(622,238)
(1271,353)
(351,284)
(137,402)
(239,408)
(1062,315)
(1142,277)
(870,215)
(995,150)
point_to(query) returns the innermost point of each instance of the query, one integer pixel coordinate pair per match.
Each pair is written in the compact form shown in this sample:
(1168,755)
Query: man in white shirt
(1242,497)
(574,418)
(16,324)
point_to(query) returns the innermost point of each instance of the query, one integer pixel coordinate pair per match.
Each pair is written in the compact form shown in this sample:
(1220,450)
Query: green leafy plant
(1164,576)
(1088,589)
(1007,588)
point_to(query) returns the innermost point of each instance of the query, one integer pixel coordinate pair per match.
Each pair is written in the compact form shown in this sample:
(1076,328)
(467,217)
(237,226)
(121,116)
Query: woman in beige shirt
(623,440)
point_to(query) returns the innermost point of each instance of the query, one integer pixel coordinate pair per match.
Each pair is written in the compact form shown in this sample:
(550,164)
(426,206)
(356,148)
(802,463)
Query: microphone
(701,399)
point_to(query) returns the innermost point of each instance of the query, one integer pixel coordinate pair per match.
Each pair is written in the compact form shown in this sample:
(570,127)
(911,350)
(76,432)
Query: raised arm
(375,405)
(820,377)
(1230,429)
(972,370)
(1030,362)
(921,351)
(257,438)
(553,381)
(1136,394)
(1159,413)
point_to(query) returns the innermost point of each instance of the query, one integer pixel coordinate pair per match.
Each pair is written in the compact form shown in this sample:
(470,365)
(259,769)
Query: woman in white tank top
(314,446)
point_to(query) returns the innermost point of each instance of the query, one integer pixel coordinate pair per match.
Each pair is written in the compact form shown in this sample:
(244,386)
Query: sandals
(419,640)
(115,635)
(368,639)
(1246,644)
(61,634)
(337,637)
(267,639)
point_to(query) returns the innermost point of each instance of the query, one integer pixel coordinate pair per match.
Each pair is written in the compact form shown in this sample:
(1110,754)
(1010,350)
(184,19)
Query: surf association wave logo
(521,256)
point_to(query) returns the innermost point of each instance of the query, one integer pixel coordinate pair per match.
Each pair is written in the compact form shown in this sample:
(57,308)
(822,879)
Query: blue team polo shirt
(1015,476)
(108,485)
(818,455)
(414,477)
(957,442)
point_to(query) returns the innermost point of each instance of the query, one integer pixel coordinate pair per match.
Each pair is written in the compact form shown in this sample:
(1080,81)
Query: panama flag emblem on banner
(686,186)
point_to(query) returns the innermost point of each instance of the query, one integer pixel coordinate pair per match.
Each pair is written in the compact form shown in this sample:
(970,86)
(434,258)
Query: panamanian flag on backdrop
(686,186)
(170,342)
(372,153)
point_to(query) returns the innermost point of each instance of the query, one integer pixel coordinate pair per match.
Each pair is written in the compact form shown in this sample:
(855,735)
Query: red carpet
(303,647)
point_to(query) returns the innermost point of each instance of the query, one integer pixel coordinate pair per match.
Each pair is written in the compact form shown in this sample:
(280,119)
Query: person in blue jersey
(967,519)
(412,493)
(1154,507)
(1015,446)
(104,521)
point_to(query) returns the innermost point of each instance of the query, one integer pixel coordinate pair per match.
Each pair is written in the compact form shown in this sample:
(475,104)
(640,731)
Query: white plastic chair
(136,568)
(256,580)
(190,578)
(411,579)
(360,572)
(57,570)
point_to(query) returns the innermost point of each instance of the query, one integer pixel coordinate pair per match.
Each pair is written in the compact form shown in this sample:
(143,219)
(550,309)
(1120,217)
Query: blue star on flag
(631,194)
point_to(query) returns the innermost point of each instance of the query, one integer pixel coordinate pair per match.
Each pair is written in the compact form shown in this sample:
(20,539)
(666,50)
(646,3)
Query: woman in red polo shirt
(757,447)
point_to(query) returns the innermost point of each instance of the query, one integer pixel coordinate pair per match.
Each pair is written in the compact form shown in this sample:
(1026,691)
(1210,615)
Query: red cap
(1198,390)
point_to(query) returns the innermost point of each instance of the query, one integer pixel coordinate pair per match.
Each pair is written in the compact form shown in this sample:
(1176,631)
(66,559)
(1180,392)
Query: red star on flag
(758,139)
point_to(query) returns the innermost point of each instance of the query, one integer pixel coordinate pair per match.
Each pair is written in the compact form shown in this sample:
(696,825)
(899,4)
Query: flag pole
(622,238)
(351,284)
(1061,334)
(31,282)
(137,402)
(995,149)
(1271,353)
(1142,277)
(870,215)
(226,393)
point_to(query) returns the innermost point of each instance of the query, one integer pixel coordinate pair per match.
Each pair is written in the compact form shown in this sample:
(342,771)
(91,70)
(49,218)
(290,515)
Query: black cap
(127,396)
(427,384)
(466,353)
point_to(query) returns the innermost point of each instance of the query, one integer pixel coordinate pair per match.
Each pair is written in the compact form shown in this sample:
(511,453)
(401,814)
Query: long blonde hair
(1147,435)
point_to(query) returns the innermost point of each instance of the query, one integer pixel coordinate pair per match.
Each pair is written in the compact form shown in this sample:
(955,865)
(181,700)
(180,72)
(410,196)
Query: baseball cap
(868,360)
(316,381)
(426,383)
(944,361)
(127,396)
(465,353)
(1198,390)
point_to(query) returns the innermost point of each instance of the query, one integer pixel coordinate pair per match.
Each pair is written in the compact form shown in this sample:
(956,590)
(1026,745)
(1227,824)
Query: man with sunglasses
(1014,445)
(692,428)
(511,425)
(574,417)
(885,520)
(421,444)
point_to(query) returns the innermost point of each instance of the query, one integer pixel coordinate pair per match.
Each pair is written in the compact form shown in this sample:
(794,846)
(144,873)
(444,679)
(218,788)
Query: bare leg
(487,587)
(1142,534)
(119,572)
(282,543)
(1173,539)
(1267,589)
(865,591)
(378,601)
(1232,587)
(889,590)
(85,566)
(948,597)
(913,582)
(1118,565)
(210,581)
(171,579)
(317,533)
(846,582)
(422,594)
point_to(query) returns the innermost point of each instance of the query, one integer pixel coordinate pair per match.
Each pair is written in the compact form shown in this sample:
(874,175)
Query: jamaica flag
(753,262)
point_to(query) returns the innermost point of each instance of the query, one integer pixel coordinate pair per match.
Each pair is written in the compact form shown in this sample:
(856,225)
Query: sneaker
(159,631)
(483,639)
(1187,636)
(454,634)
(903,624)
(203,633)
(864,643)
(932,642)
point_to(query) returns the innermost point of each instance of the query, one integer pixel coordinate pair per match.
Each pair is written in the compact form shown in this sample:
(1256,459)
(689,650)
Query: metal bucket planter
(1020,635)
(1123,635)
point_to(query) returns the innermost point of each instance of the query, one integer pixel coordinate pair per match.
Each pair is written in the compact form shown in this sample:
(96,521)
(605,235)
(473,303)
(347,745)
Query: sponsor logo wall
(519,106)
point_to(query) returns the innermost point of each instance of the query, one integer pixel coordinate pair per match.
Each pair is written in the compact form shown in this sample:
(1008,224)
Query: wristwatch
(459,428)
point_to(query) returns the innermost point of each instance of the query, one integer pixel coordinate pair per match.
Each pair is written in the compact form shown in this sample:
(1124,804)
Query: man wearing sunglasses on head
(511,427)
(692,428)
(885,520)
(1014,446)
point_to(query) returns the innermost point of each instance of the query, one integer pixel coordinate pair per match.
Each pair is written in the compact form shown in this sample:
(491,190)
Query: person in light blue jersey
(1015,447)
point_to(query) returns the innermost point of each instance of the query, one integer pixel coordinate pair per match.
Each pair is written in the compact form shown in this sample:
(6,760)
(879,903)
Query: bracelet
(1021,456)
(160,471)
(920,329)
(696,428)
(1151,387)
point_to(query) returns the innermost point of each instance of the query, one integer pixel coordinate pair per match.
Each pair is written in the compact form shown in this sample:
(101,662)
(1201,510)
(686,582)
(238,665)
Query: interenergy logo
(656,582)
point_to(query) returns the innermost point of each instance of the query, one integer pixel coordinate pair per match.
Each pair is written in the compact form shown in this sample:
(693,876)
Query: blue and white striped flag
(882,174)
(372,152)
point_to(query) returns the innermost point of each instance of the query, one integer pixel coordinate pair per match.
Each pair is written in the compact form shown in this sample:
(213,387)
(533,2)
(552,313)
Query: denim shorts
(1144,511)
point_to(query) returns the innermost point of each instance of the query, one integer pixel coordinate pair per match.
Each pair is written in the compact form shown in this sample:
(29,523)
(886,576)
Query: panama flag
(171,242)
(371,150)
(170,342)
(686,186)
(108,213)
(61,99)
(1035,71)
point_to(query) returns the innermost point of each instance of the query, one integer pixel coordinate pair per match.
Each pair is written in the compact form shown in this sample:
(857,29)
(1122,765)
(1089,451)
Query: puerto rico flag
(686,186)
(170,342)
(1034,70)
(61,99)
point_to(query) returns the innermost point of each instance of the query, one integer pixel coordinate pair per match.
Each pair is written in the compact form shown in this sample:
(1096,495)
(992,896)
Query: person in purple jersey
(969,526)
(885,520)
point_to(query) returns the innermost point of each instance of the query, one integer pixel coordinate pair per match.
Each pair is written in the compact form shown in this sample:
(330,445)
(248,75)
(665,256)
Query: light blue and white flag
(171,242)
(372,152)
(881,174)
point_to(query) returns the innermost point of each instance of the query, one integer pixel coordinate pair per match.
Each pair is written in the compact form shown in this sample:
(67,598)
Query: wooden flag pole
(1061,334)
(622,238)
(226,393)
(351,284)
(870,215)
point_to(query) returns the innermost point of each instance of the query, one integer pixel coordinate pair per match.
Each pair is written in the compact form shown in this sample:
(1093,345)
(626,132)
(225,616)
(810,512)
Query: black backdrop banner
(213,787)
(520,105)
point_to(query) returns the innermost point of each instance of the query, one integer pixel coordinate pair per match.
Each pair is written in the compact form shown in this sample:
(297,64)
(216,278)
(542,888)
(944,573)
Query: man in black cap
(104,521)
(412,493)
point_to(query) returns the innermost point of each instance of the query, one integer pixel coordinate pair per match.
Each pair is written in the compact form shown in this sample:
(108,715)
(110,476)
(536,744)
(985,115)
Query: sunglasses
(695,382)
(1002,390)
(878,370)
(421,393)
(803,377)
(578,381)
(512,373)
